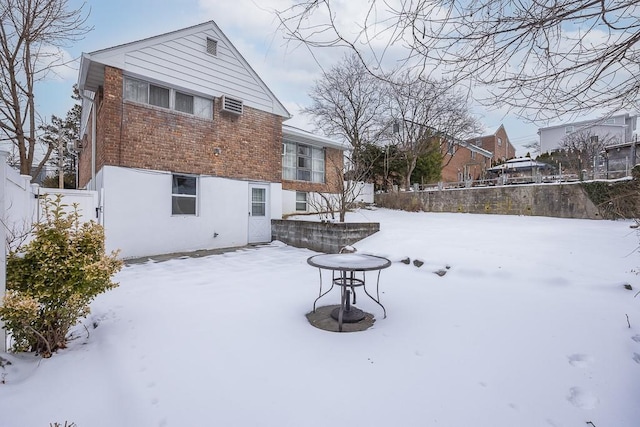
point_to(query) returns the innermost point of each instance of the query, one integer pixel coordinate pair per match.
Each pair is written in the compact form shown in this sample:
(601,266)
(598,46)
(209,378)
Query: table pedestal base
(353,315)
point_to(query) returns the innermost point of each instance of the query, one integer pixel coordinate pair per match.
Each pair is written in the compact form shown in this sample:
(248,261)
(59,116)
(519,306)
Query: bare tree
(347,103)
(533,147)
(583,148)
(427,115)
(543,59)
(32,34)
(349,186)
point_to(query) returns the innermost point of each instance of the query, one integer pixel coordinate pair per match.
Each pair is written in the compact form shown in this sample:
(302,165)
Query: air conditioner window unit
(231,105)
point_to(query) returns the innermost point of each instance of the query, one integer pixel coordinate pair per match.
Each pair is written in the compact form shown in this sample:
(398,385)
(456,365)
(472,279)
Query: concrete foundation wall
(327,237)
(554,200)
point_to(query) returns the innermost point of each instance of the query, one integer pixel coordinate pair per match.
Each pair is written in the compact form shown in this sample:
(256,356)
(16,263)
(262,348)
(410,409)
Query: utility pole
(60,159)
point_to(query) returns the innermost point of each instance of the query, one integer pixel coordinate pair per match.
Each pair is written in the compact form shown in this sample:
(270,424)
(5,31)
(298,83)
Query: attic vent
(231,105)
(212,47)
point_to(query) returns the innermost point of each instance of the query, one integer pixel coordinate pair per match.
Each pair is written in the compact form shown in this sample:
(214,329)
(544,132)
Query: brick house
(464,161)
(497,143)
(187,148)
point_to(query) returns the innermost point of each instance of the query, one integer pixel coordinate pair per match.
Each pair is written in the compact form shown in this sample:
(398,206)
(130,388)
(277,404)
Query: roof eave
(299,135)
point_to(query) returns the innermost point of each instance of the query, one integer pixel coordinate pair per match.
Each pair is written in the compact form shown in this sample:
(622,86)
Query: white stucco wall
(363,191)
(138,220)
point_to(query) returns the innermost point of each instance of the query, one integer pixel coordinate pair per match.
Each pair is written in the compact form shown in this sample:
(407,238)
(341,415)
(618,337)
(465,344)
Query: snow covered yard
(527,328)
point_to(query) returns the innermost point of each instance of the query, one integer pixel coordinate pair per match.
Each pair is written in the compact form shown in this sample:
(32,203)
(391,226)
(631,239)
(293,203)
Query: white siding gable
(180,60)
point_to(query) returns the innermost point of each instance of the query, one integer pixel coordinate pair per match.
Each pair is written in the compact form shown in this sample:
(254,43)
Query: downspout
(93,139)
(93,143)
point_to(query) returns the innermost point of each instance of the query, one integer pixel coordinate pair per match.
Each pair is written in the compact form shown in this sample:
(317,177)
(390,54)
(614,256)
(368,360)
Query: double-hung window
(302,162)
(301,201)
(184,194)
(148,93)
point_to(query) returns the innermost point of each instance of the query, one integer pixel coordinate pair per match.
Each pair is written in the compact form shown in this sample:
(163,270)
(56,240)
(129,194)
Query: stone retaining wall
(327,237)
(554,200)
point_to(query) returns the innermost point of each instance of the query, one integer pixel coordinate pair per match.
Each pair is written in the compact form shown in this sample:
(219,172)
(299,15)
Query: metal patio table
(344,268)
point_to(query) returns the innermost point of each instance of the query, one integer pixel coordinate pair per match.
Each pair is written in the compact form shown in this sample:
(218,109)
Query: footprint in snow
(636,358)
(636,338)
(582,399)
(580,360)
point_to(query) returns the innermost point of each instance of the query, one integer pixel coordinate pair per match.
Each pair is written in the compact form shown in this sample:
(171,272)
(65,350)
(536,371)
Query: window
(184,103)
(301,201)
(202,107)
(302,163)
(451,148)
(159,96)
(473,155)
(184,192)
(594,139)
(147,93)
(258,202)
(569,129)
(499,142)
(136,91)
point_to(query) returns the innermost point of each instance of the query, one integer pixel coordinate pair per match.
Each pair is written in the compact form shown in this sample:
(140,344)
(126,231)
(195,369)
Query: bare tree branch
(32,32)
(542,59)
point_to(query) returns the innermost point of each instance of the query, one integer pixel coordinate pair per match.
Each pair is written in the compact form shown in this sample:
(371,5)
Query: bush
(52,279)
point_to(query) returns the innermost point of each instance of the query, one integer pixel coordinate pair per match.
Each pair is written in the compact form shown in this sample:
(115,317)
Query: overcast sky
(288,69)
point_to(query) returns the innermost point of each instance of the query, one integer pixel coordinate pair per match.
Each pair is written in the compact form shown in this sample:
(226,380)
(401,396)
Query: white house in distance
(617,128)
(186,147)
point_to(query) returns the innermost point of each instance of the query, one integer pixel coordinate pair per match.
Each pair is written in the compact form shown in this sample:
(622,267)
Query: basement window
(184,194)
(301,201)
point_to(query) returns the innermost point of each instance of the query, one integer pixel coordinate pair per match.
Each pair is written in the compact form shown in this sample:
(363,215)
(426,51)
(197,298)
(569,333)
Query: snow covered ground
(529,327)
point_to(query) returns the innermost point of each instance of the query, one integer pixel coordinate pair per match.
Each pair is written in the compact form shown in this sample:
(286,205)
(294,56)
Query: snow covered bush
(52,279)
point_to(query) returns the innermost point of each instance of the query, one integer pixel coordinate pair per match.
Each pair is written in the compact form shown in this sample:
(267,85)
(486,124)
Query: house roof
(475,148)
(302,136)
(595,122)
(515,165)
(180,59)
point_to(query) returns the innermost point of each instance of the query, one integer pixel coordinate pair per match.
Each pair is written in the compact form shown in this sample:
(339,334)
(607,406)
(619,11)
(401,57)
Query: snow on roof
(520,164)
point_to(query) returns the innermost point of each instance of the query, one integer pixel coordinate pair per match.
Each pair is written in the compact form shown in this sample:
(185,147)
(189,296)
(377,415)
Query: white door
(259,215)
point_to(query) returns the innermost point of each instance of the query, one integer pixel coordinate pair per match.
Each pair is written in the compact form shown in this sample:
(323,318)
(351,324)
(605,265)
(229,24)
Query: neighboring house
(523,169)
(497,143)
(619,159)
(617,129)
(186,146)
(464,161)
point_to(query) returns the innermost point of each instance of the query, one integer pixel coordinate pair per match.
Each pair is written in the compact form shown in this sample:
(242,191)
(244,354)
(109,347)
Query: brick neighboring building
(497,143)
(464,161)
(187,148)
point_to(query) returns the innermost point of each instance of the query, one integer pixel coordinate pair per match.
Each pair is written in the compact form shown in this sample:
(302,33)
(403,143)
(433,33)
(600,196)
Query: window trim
(291,153)
(173,92)
(185,195)
(305,201)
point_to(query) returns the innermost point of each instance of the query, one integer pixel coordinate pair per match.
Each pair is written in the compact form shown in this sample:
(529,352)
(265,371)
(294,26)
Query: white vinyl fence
(21,207)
